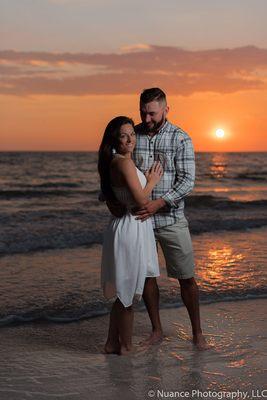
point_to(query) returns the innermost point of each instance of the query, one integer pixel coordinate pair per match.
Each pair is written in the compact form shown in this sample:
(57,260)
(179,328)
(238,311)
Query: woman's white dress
(129,252)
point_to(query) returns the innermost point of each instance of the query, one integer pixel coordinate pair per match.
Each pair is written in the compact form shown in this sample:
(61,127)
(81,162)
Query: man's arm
(185,173)
(185,178)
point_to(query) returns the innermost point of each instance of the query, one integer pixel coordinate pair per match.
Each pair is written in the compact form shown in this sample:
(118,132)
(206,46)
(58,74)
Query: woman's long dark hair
(109,143)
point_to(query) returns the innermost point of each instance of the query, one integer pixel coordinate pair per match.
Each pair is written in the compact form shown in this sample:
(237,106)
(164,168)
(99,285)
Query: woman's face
(127,139)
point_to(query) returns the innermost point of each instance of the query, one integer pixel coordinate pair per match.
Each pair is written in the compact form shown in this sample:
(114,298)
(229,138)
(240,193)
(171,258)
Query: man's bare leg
(190,297)
(151,300)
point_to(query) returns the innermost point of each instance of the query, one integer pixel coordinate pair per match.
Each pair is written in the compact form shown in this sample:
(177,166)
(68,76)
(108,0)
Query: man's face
(153,115)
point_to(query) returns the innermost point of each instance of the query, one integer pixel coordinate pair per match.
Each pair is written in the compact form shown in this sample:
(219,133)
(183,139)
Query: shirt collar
(164,127)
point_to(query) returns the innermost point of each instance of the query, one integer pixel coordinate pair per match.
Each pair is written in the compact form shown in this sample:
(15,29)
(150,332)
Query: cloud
(176,70)
(136,48)
(62,2)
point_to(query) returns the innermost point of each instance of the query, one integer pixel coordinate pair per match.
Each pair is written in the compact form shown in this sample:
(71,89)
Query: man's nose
(148,118)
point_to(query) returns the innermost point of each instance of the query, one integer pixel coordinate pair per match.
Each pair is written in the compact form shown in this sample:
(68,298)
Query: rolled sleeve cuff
(170,200)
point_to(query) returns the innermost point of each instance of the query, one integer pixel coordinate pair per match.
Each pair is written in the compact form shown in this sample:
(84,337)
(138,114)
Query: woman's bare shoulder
(120,168)
(120,163)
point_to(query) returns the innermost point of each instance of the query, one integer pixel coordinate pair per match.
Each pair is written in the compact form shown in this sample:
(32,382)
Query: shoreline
(19,320)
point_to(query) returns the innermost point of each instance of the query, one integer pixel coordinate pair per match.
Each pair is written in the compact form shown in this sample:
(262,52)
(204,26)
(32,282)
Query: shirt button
(150,156)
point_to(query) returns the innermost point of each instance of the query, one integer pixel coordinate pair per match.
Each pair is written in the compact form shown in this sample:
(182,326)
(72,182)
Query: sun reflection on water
(222,267)
(218,166)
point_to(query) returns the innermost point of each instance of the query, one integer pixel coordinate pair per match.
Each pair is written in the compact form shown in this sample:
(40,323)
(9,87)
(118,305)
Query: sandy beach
(43,360)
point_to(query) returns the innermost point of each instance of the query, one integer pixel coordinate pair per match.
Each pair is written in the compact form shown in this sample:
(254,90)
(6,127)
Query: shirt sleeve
(184,173)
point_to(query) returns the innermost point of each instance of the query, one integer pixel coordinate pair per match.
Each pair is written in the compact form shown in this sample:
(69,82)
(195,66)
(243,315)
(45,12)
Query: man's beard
(156,125)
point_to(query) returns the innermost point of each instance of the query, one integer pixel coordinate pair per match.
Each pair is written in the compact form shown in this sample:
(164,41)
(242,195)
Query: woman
(129,248)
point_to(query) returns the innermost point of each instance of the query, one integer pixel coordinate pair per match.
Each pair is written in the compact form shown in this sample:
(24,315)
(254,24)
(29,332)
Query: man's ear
(167,109)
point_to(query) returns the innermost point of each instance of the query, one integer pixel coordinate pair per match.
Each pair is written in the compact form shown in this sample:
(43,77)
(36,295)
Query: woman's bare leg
(112,345)
(120,332)
(125,326)
(151,300)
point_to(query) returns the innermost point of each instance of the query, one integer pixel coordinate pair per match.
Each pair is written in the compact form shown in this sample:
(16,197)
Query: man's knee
(151,282)
(187,283)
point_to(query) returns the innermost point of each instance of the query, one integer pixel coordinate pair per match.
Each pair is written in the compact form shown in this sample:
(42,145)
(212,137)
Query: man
(159,140)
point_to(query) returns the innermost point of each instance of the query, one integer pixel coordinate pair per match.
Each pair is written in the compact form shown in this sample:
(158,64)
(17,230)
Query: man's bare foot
(112,348)
(126,350)
(200,342)
(155,337)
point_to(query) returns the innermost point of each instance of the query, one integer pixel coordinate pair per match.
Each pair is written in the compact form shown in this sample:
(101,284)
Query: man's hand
(149,209)
(116,209)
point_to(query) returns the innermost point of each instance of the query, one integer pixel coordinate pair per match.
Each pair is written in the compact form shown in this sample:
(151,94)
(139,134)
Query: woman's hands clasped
(154,174)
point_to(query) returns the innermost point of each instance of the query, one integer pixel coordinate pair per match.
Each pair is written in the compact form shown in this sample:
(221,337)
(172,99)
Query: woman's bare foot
(155,337)
(112,348)
(200,342)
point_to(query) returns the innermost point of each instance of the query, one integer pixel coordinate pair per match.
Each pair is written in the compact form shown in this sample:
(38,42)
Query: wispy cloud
(178,71)
(67,1)
(136,48)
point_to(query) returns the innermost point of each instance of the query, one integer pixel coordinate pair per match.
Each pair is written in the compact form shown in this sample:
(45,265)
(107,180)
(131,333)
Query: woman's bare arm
(127,170)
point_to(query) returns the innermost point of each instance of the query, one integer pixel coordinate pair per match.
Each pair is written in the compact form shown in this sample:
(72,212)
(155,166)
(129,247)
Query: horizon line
(95,151)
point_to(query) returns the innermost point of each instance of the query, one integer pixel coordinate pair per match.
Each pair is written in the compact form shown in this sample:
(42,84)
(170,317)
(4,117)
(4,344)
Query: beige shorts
(176,244)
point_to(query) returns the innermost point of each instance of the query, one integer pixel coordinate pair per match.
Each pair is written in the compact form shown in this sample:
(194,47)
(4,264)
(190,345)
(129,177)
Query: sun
(219,133)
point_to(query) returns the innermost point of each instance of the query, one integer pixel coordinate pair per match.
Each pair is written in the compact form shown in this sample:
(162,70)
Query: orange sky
(63,101)
(69,66)
(76,123)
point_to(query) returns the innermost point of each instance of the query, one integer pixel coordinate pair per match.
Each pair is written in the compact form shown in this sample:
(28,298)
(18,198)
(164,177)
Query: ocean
(51,226)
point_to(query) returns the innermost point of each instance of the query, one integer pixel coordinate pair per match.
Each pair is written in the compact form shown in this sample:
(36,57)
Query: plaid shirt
(174,149)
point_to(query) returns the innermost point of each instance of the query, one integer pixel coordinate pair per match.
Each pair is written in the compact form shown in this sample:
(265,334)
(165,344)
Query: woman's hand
(154,174)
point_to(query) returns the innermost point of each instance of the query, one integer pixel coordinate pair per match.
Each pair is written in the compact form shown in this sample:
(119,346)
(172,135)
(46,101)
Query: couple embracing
(145,173)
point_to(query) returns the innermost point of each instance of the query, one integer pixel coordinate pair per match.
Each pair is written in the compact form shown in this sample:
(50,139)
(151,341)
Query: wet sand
(43,360)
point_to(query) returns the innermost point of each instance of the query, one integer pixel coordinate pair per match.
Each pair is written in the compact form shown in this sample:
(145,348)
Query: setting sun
(219,133)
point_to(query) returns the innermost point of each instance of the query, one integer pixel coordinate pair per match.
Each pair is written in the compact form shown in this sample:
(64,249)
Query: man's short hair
(153,94)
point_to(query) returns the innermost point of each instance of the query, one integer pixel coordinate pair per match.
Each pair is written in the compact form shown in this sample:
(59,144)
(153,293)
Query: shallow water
(64,285)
